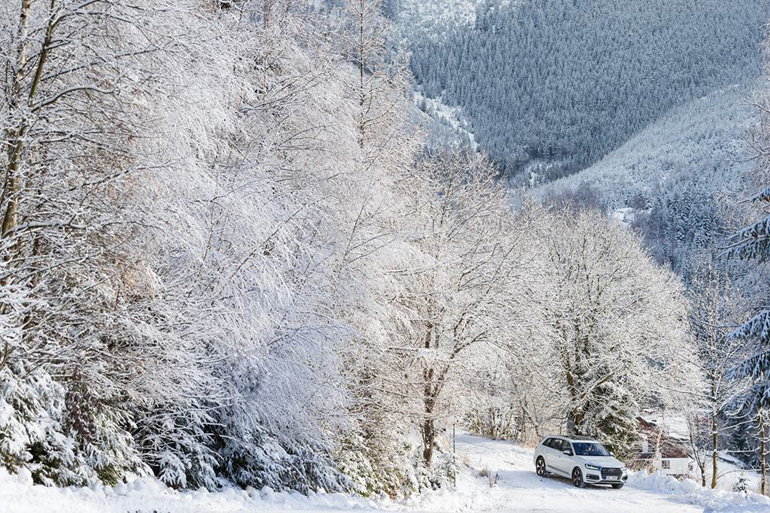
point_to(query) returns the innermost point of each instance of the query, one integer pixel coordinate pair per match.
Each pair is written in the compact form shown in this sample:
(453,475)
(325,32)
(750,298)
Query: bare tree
(381,77)
(764,449)
(699,428)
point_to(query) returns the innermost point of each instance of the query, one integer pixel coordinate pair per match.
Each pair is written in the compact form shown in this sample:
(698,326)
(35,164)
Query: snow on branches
(227,259)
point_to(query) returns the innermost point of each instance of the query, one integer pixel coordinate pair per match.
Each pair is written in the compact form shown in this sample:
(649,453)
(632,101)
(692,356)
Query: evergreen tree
(753,243)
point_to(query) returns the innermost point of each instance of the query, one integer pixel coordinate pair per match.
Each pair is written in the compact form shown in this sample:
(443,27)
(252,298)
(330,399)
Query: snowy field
(518,488)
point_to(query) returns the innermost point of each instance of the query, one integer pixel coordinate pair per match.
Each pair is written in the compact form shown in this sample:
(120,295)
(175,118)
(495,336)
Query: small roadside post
(454,457)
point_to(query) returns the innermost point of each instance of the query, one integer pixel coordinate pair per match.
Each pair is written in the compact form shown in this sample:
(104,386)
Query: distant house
(662,452)
(626,216)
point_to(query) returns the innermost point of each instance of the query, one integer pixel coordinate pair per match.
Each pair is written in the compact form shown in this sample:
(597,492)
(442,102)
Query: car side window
(548,442)
(566,446)
(555,444)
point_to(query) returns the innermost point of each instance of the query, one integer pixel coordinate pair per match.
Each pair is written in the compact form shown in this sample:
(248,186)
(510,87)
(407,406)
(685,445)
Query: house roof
(670,447)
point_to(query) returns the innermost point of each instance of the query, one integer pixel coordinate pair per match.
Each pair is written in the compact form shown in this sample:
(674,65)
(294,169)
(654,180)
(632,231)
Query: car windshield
(590,449)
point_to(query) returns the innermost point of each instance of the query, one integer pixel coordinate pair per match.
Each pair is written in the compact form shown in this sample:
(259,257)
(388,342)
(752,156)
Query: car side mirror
(567,452)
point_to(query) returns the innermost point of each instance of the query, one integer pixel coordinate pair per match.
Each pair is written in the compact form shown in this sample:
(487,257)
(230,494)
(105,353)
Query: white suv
(582,459)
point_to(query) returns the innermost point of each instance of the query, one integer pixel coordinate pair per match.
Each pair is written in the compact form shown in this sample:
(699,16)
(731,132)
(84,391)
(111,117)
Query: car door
(545,451)
(557,458)
(565,461)
(553,453)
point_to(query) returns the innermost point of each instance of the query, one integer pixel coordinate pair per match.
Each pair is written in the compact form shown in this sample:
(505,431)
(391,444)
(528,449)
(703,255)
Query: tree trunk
(692,426)
(12,182)
(576,414)
(4,357)
(762,453)
(575,418)
(714,448)
(13,138)
(428,440)
(428,425)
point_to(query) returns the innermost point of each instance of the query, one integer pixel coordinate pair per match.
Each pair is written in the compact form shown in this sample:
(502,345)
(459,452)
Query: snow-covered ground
(517,488)
(451,117)
(18,495)
(435,16)
(520,489)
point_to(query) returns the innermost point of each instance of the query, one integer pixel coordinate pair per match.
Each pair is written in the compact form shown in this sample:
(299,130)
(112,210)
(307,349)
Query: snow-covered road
(518,489)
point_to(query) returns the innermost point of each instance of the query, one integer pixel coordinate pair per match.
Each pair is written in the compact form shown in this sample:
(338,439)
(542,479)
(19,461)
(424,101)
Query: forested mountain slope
(703,140)
(564,82)
(674,178)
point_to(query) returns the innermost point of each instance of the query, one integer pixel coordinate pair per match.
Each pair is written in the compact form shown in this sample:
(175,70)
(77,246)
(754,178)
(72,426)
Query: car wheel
(618,486)
(577,478)
(540,467)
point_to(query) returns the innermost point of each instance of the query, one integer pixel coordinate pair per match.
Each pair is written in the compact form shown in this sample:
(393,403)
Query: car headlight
(592,467)
(624,468)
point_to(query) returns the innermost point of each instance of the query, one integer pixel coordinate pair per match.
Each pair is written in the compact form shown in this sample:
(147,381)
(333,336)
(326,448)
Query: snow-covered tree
(753,243)
(381,74)
(715,305)
(71,108)
(461,292)
(617,324)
